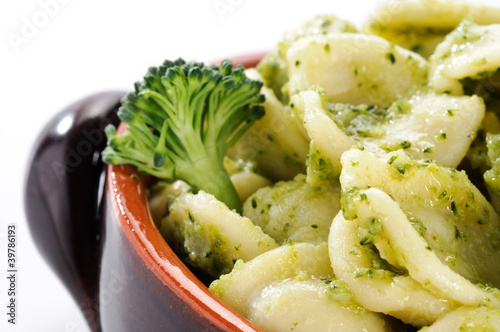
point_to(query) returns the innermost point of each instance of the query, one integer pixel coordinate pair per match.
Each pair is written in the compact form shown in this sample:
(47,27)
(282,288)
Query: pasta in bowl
(381,139)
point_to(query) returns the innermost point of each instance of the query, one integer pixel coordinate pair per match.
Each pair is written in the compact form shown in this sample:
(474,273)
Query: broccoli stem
(210,175)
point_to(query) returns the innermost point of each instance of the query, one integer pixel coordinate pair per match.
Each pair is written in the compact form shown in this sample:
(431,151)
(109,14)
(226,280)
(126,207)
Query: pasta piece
(294,210)
(312,305)
(374,284)
(471,319)
(162,195)
(212,236)
(420,41)
(431,13)
(451,214)
(323,132)
(244,176)
(422,24)
(235,166)
(247,280)
(380,217)
(273,67)
(355,68)
(319,167)
(246,183)
(427,126)
(470,50)
(275,142)
(271,283)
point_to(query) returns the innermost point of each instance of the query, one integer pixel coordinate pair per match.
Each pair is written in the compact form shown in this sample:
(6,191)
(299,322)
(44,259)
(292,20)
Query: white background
(88,46)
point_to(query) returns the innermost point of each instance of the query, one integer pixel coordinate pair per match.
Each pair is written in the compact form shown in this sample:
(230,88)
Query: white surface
(88,46)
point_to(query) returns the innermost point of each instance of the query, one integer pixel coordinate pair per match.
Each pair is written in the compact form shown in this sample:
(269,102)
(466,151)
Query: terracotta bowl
(93,226)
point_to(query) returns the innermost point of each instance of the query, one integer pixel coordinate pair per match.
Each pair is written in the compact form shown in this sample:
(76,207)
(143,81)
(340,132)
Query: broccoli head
(182,119)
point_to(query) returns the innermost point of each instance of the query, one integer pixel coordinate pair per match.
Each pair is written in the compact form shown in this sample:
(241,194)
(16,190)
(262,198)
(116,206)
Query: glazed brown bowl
(92,224)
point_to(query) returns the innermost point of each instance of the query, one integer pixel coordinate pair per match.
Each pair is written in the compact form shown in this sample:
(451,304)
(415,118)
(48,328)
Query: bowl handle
(63,194)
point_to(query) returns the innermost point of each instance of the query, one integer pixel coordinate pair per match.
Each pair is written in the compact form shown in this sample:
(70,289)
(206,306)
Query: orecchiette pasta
(470,50)
(354,68)
(213,236)
(421,25)
(468,319)
(427,126)
(293,288)
(371,184)
(294,210)
(275,141)
(374,283)
(380,217)
(453,216)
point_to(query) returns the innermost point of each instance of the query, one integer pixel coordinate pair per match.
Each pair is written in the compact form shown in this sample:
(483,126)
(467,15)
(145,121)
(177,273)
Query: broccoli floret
(182,119)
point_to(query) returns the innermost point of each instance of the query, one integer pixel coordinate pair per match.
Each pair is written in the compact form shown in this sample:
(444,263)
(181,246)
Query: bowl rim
(129,204)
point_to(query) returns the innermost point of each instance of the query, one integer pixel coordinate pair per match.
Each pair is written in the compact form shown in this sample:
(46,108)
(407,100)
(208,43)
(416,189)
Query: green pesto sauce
(390,56)
(417,225)
(370,230)
(366,120)
(339,292)
(492,176)
(482,319)
(319,168)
